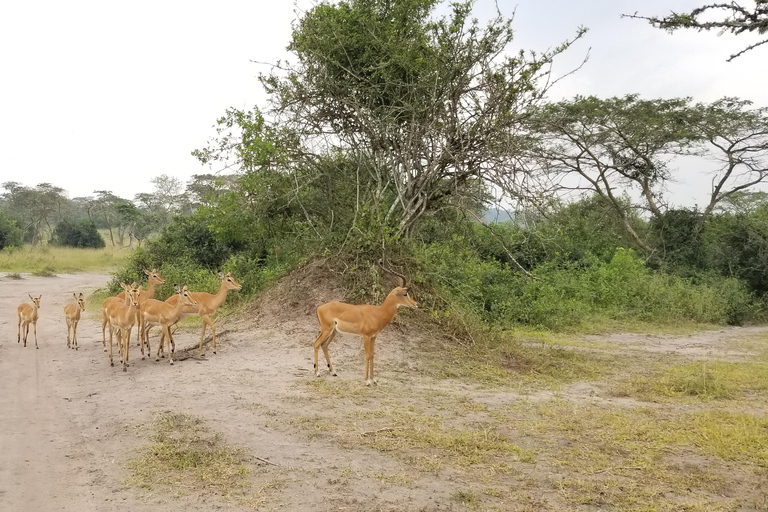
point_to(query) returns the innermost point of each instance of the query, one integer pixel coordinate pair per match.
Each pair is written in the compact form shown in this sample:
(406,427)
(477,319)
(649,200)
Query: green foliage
(82,233)
(189,238)
(10,234)
(572,295)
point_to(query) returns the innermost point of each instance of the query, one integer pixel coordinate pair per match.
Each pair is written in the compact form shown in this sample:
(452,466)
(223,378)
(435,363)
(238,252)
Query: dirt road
(70,424)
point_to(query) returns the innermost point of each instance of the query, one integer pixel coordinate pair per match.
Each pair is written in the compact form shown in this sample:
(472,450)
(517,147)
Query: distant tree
(82,234)
(38,208)
(609,146)
(727,17)
(10,234)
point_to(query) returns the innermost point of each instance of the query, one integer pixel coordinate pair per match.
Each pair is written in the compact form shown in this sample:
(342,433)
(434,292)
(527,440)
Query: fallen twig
(266,461)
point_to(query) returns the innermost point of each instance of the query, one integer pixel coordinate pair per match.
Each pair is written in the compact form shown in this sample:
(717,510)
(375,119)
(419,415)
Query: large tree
(619,145)
(428,108)
(723,17)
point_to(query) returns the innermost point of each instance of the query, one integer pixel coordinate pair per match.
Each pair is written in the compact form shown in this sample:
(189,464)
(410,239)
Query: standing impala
(153,278)
(365,320)
(28,315)
(156,312)
(123,317)
(207,305)
(72,316)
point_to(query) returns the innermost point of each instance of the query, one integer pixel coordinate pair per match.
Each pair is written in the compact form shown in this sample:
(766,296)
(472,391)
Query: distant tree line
(45,214)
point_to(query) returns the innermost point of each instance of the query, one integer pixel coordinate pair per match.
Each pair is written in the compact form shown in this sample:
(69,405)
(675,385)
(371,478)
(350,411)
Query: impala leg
(373,352)
(206,322)
(111,361)
(74,336)
(127,345)
(167,330)
(104,322)
(368,372)
(324,333)
(324,346)
(69,327)
(26,333)
(18,339)
(34,327)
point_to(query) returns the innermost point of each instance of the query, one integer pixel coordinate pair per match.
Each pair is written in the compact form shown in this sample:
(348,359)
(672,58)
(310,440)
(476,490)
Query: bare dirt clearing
(74,432)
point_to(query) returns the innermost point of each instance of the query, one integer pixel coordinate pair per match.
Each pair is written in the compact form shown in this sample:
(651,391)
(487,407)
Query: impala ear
(40,296)
(147,272)
(75,295)
(30,296)
(176,287)
(221,274)
(81,295)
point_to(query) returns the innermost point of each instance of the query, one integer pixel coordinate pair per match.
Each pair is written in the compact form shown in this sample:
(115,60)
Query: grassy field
(49,260)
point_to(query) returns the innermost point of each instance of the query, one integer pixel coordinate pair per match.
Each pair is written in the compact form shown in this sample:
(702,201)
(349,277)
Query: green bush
(10,234)
(567,295)
(79,233)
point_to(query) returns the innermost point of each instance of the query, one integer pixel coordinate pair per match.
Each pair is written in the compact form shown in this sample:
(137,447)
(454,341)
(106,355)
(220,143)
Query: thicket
(78,233)
(393,130)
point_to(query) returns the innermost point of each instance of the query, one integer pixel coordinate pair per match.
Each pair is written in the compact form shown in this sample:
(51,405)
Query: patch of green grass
(626,458)
(187,456)
(468,498)
(708,380)
(49,260)
(508,362)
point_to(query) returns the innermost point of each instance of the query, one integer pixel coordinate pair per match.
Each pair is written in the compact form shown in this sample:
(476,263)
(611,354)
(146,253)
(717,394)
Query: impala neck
(151,289)
(221,296)
(389,306)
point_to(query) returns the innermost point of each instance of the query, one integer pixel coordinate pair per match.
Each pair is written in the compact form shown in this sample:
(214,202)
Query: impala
(28,315)
(123,317)
(364,320)
(152,278)
(72,316)
(156,312)
(207,305)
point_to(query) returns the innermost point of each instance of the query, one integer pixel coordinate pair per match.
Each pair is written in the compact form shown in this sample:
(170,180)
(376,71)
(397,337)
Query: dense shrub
(77,233)
(10,234)
(579,293)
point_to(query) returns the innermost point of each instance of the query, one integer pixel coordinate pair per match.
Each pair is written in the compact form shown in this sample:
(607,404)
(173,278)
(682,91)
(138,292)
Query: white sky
(101,95)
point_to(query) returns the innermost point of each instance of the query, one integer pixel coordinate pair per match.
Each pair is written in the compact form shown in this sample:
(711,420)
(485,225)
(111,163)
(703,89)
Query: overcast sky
(105,95)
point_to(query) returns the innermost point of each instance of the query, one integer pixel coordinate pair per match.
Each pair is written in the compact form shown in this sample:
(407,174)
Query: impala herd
(135,307)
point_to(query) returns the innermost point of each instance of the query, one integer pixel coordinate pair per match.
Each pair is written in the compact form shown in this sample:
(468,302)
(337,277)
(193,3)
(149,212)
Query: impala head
(186,298)
(132,292)
(36,300)
(80,301)
(229,281)
(403,297)
(152,275)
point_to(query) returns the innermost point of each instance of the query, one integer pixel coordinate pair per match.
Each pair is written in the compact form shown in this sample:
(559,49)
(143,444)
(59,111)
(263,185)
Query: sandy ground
(69,422)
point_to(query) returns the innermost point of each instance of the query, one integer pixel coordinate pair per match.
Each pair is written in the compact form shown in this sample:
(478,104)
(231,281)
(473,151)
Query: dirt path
(69,423)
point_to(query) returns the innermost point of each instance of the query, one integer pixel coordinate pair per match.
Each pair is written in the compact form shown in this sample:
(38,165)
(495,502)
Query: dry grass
(49,260)
(186,457)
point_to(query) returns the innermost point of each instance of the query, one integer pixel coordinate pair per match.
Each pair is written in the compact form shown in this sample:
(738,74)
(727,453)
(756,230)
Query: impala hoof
(368,383)
(214,351)
(335,374)
(171,363)
(317,374)
(77,348)
(111,364)
(376,382)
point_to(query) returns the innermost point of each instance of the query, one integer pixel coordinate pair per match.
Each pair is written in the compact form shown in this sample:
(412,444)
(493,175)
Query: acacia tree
(616,145)
(736,136)
(428,108)
(38,208)
(610,146)
(723,17)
